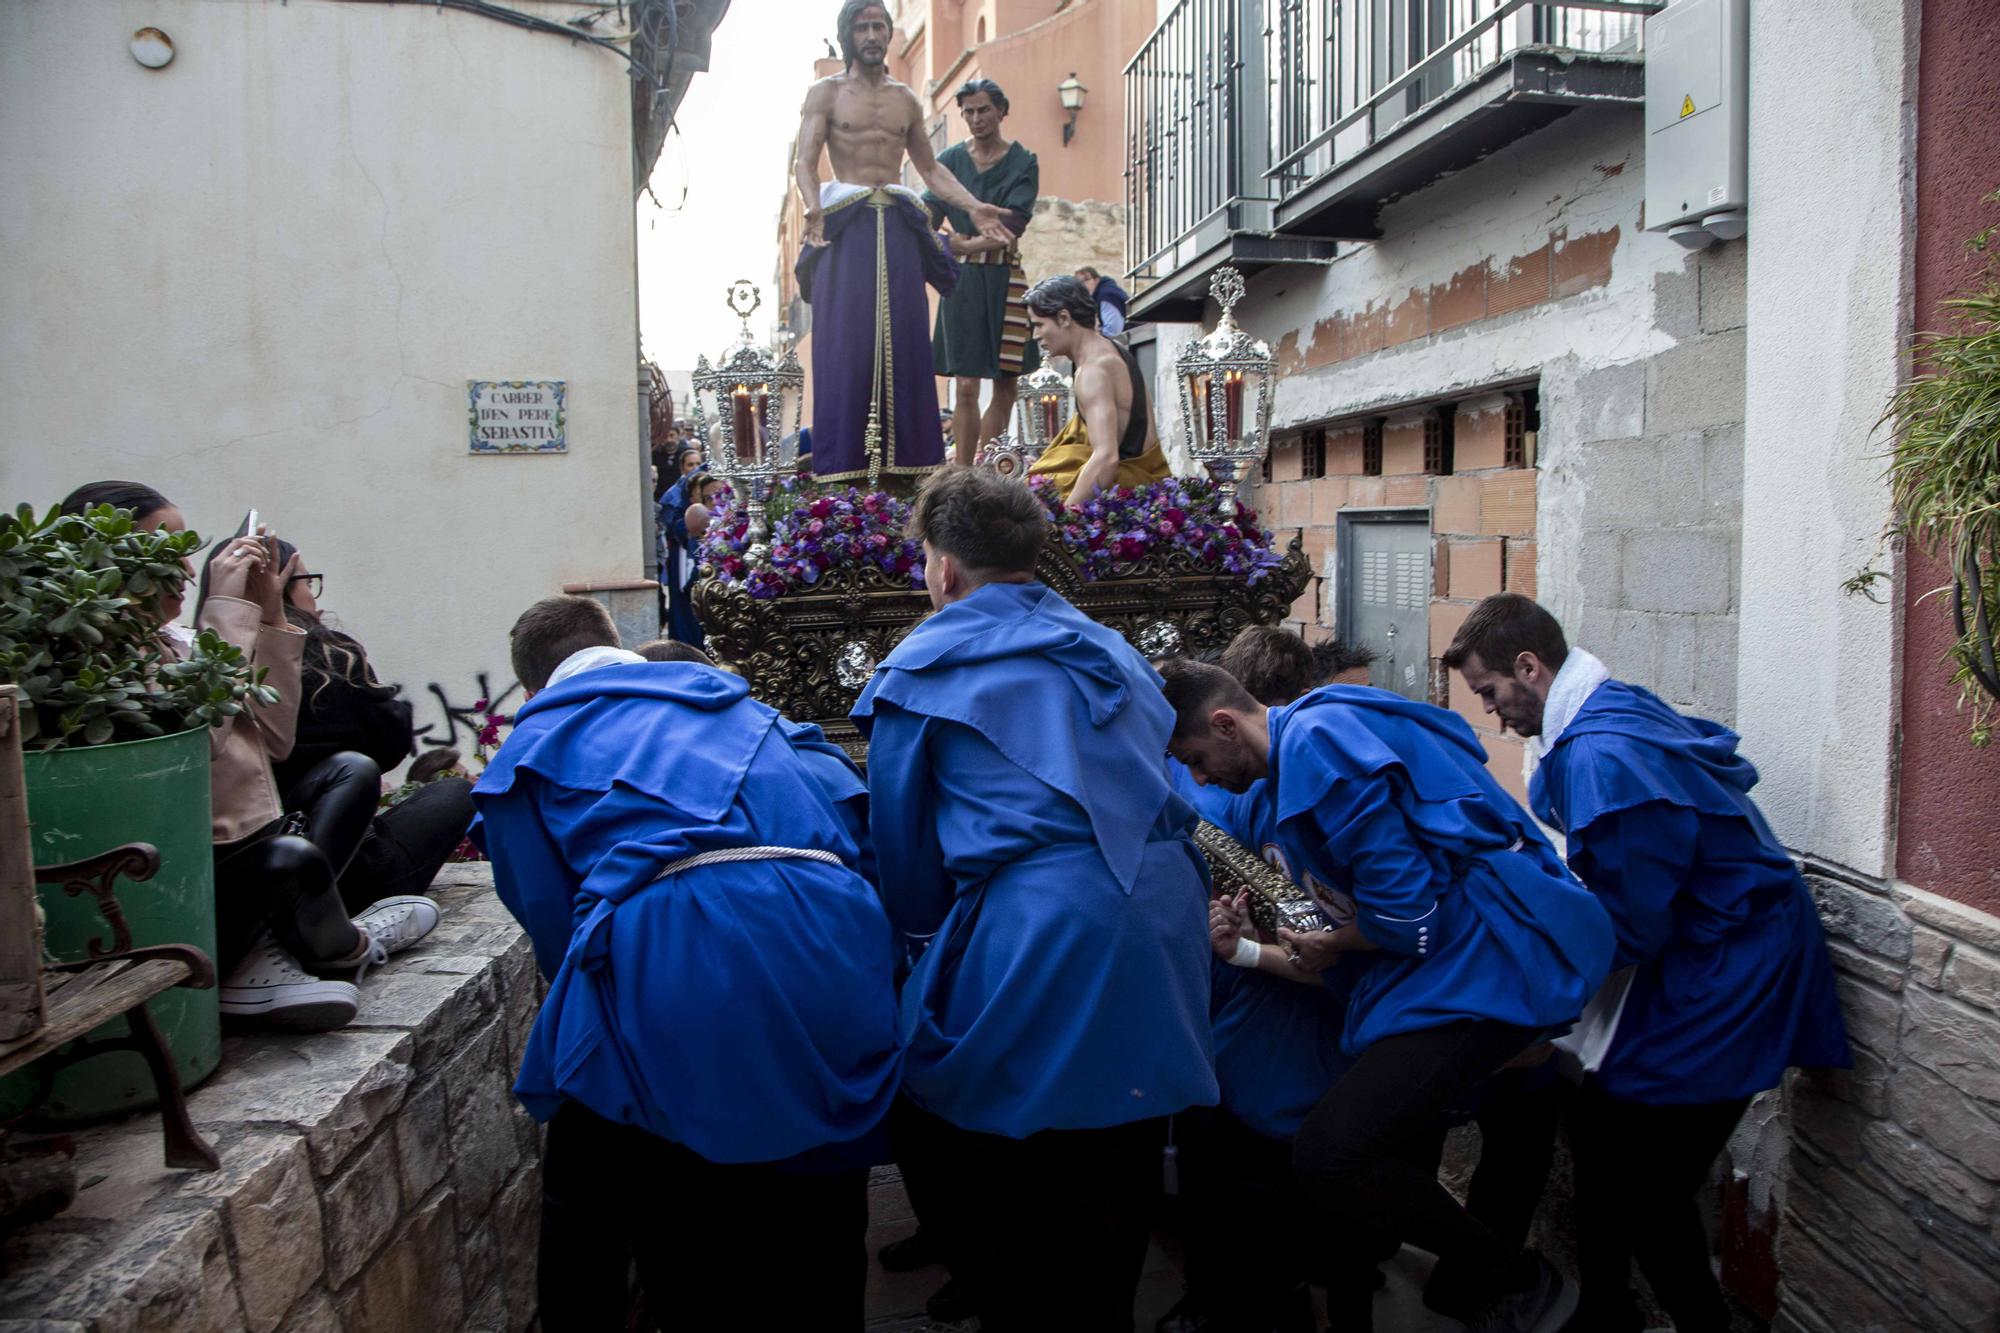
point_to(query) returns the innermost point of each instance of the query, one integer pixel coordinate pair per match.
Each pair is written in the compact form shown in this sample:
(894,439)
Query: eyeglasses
(313,582)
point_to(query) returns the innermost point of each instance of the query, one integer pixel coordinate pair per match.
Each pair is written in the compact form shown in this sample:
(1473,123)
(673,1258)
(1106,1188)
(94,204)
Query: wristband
(1247,952)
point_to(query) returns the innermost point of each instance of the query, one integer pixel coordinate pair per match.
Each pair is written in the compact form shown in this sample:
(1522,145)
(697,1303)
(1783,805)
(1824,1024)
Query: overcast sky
(720,178)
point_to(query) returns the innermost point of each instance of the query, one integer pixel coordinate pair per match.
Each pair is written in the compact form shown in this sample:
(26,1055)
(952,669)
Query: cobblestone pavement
(896,1300)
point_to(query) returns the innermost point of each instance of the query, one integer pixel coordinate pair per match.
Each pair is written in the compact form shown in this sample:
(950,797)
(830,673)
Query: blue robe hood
(1636,731)
(1066,677)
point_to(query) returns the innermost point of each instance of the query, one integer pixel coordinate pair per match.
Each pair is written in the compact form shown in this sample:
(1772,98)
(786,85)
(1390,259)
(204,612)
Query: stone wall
(377,1178)
(1065,235)
(1889,1219)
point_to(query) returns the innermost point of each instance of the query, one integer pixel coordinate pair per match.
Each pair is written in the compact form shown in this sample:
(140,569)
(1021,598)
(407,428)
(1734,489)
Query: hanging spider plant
(1944,473)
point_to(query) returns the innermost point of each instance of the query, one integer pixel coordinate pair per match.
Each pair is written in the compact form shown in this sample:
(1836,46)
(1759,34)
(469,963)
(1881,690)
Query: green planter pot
(88,800)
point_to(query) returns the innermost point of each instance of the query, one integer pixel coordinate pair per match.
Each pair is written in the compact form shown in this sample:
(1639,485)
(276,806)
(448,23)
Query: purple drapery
(847,290)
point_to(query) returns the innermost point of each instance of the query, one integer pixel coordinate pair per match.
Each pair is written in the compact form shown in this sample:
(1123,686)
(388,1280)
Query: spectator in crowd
(676,547)
(280,919)
(1110,297)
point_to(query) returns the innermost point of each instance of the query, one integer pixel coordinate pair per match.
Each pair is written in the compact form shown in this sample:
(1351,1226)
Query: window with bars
(1312,455)
(1265,471)
(1437,444)
(1514,451)
(1371,449)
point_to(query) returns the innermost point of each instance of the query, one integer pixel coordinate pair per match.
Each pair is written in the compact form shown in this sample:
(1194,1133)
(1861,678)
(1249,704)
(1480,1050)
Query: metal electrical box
(1697,103)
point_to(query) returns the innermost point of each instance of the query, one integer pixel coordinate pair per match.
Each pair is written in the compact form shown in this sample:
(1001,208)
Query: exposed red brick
(1507,504)
(1446,617)
(1343,452)
(1403,446)
(1306,609)
(1286,459)
(1315,633)
(1521,567)
(1503,761)
(1455,505)
(1582,262)
(1287,354)
(1409,320)
(1294,504)
(1440,569)
(1368,331)
(1519,283)
(1407,492)
(1329,497)
(1365,492)
(1476,568)
(1461,300)
(1479,435)
(1329,342)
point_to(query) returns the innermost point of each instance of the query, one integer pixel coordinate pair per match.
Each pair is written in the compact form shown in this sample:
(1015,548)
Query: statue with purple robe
(869,252)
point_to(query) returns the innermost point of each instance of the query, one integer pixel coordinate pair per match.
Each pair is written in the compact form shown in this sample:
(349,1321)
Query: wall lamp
(1071,91)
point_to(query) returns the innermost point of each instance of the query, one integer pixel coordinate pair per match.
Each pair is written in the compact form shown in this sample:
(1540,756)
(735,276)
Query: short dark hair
(1503,627)
(1273,664)
(673,650)
(844,25)
(1331,657)
(1196,689)
(1051,296)
(551,630)
(974,87)
(986,522)
(1086,271)
(138,497)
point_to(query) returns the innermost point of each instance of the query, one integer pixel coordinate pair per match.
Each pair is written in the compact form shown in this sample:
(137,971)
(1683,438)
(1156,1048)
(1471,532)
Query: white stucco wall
(262,276)
(1832,136)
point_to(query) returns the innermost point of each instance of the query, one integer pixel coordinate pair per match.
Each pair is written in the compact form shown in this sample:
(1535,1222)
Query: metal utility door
(1385,595)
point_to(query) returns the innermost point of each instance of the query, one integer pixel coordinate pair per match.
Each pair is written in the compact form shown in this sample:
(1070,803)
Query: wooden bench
(47,1008)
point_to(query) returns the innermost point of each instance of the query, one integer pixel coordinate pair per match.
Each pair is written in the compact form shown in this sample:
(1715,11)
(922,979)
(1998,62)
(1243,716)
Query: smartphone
(250,524)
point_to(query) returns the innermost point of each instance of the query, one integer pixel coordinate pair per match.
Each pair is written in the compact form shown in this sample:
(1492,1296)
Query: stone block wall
(1891,1204)
(373,1179)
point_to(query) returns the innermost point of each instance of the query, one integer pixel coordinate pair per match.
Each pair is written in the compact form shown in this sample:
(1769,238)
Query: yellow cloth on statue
(1070,450)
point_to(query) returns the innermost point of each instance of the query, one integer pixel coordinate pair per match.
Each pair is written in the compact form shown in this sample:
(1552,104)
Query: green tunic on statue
(982,327)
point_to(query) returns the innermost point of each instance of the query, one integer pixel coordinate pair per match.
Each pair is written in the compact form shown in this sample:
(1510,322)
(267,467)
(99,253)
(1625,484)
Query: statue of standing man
(982,328)
(869,251)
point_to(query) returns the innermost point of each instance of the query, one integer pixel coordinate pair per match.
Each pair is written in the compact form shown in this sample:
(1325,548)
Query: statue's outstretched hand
(990,219)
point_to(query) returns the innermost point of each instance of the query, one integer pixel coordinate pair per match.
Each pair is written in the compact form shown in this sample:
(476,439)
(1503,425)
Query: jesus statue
(869,251)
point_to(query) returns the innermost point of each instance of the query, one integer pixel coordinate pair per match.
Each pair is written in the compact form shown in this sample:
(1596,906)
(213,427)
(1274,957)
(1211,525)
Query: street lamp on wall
(1071,90)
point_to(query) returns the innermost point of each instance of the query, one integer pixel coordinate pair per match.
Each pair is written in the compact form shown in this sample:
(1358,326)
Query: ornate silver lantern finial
(757,398)
(1227,379)
(1042,408)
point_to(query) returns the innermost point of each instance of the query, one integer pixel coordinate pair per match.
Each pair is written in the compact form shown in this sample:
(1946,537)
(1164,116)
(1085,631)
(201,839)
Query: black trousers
(1353,1154)
(1048,1233)
(286,882)
(407,843)
(1517,1117)
(1638,1170)
(711,1241)
(1253,1236)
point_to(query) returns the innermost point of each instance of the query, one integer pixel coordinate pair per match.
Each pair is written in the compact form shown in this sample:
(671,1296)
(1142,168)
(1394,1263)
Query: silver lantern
(1042,407)
(1226,379)
(751,400)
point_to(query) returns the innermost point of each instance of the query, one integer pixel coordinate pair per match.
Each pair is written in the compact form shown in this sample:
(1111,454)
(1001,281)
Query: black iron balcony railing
(1234,106)
(1346,72)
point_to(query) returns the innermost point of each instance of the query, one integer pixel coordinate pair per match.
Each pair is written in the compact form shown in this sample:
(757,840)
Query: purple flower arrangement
(815,529)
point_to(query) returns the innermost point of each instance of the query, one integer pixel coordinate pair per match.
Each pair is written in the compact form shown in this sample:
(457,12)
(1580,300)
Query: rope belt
(726,855)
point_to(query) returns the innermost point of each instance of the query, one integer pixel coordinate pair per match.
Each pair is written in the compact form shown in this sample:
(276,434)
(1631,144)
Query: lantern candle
(744,422)
(1050,405)
(1232,405)
(1198,389)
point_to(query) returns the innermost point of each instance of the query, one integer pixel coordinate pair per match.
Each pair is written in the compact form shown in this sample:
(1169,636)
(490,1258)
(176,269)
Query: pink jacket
(243,748)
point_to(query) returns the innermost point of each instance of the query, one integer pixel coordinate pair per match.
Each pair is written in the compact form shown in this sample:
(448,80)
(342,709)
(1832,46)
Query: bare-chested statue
(869,251)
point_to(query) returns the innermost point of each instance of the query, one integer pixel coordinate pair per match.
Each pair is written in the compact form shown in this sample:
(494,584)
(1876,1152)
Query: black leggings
(408,842)
(286,882)
(1638,1170)
(1353,1158)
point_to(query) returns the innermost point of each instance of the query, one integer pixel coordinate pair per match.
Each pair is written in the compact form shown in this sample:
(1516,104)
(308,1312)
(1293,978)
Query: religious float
(805,586)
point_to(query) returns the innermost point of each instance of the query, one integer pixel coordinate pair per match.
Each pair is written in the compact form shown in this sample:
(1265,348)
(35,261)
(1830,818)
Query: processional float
(804,588)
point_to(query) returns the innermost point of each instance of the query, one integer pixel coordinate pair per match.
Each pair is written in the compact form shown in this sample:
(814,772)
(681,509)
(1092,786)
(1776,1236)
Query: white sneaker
(270,987)
(398,923)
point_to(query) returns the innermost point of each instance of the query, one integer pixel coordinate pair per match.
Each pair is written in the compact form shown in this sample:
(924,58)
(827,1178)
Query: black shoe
(1542,1302)
(950,1304)
(914,1251)
(1189,1315)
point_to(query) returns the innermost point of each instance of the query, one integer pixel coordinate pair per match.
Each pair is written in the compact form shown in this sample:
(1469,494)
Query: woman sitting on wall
(278,910)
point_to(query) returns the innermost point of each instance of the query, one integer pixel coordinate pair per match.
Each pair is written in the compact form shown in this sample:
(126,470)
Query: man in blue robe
(1026,829)
(720,1020)
(1725,982)
(1469,944)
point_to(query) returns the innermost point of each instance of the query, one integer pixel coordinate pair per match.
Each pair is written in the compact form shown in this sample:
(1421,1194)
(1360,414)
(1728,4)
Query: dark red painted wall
(1948,829)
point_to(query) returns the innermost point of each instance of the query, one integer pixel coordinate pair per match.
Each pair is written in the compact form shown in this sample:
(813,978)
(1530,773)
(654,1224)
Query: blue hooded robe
(745,1010)
(1277,1043)
(1733,983)
(1023,821)
(1389,802)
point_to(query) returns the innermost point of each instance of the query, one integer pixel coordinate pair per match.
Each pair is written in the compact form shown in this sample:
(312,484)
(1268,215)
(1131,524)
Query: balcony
(1265,132)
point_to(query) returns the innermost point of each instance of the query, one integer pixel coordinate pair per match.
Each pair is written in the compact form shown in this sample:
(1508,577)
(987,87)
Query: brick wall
(1482,519)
